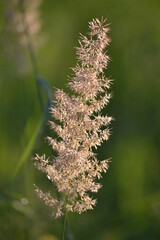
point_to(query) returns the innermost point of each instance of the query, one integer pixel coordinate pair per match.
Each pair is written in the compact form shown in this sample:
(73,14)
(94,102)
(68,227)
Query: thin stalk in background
(30,50)
(40,83)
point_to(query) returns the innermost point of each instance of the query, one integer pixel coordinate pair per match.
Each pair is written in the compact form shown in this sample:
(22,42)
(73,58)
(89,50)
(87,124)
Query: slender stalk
(64,225)
(30,49)
(64,220)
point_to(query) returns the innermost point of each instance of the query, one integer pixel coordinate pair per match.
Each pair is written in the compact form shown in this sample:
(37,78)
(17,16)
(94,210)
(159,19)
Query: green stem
(64,225)
(65,216)
(30,49)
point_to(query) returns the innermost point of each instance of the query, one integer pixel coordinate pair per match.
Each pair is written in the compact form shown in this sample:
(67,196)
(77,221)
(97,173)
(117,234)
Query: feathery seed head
(75,168)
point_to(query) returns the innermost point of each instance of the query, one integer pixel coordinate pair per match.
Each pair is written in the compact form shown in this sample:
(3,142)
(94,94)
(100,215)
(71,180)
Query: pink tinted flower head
(82,127)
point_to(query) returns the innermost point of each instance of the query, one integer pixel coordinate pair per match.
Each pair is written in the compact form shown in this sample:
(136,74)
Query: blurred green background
(128,205)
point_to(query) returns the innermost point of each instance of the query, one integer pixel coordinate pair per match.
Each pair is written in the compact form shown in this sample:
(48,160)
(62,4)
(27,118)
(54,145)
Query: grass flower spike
(80,127)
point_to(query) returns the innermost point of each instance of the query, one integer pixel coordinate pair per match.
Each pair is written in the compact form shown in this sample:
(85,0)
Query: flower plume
(81,127)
